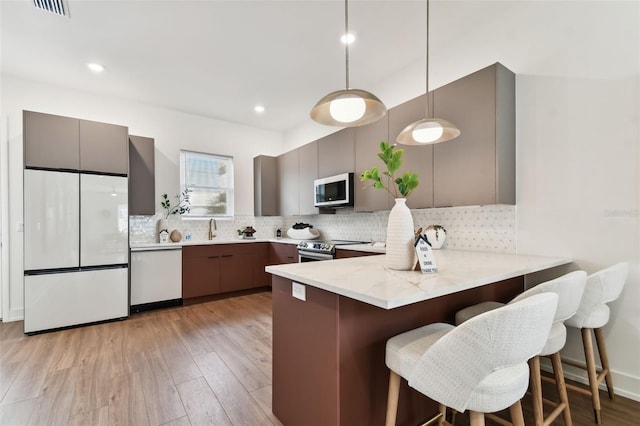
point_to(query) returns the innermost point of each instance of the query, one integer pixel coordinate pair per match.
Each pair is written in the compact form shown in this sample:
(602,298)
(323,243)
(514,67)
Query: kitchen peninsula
(331,321)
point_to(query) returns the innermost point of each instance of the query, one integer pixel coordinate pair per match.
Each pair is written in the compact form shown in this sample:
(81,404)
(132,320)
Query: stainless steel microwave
(333,192)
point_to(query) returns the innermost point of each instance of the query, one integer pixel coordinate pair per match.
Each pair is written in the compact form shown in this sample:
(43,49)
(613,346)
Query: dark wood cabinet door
(260,259)
(280,253)
(343,253)
(51,141)
(200,276)
(235,272)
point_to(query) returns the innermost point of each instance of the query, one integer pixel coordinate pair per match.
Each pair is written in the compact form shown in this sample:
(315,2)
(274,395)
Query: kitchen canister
(400,252)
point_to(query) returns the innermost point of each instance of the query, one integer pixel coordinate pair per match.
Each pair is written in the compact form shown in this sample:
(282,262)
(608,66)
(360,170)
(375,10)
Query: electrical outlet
(299,291)
(20,227)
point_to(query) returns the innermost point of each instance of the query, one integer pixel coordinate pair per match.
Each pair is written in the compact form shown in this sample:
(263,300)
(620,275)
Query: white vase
(162,231)
(400,238)
(436,238)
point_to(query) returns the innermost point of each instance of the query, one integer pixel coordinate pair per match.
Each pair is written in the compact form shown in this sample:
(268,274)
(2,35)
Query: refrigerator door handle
(102,267)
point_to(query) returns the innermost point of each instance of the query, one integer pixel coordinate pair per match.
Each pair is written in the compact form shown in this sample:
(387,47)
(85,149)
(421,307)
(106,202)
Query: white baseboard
(14,315)
(623,384)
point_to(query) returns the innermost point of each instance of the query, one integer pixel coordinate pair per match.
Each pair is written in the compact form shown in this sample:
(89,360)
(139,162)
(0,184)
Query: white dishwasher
(156,278)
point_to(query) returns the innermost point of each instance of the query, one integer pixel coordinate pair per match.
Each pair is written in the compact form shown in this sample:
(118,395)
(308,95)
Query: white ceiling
(213,58)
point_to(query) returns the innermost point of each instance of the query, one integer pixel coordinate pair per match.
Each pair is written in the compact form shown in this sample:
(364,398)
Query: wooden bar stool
(480,366)
(593,314)
(569,289)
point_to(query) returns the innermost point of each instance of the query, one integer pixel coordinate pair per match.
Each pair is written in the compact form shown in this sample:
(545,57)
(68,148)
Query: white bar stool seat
(593,313)
(480,365)
(569,289)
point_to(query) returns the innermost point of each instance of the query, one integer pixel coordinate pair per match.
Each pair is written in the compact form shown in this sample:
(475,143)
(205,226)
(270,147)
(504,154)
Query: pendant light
(348,107)
(428,130)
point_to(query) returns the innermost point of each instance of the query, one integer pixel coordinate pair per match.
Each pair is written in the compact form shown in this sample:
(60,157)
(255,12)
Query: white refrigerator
(75,249)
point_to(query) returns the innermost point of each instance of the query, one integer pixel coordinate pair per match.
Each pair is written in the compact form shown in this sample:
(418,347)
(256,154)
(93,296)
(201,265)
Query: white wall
(172,131)
(578,133)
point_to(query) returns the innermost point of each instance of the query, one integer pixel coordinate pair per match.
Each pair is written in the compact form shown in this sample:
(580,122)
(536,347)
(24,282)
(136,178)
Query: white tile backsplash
(483,228)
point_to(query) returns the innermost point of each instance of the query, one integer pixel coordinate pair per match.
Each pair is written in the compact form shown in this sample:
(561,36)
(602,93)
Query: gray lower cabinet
(142,182)
(307,173)
(416,159)
(336,153)
(367,146)
(478,167)
(289,183)
(266,191)
(51,141)
(104,147)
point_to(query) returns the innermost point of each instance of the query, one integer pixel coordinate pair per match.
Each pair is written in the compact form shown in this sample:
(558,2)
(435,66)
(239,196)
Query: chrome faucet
(212,227)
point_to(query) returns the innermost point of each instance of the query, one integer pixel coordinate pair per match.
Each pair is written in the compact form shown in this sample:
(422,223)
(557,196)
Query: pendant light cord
(346,41)
(429,98)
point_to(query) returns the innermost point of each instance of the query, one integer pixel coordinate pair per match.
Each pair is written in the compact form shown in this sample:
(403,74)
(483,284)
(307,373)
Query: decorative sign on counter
(426,262)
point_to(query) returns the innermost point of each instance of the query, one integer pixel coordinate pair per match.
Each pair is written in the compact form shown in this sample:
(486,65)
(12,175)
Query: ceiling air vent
(59,7)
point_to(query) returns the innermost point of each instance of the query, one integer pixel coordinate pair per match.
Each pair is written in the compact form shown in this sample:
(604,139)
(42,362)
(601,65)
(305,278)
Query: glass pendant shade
(348,108)
(428,131)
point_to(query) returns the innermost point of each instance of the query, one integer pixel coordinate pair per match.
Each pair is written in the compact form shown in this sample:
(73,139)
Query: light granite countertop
(365,278)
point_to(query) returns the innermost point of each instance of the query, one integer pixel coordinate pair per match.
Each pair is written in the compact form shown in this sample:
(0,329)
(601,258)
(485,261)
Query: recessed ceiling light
(259,109)
(348,38)
(95,67)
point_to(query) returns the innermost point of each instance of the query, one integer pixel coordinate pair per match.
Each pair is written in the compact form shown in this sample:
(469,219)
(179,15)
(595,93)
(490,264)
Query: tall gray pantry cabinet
(75,221)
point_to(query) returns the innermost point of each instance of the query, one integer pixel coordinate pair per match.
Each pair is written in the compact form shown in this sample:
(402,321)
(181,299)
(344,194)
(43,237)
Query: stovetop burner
(317,246)
(324,246)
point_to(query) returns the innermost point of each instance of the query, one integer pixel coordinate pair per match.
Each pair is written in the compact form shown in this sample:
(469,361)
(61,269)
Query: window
(209,180)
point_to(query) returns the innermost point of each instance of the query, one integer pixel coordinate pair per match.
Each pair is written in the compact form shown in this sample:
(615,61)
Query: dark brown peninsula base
(328,353)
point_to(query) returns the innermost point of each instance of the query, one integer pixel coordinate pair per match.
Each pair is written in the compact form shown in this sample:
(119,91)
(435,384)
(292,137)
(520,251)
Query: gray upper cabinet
(478,167)
(51,141)
(416,159)
(289,183)
(142,183)
(266,191)
(336,153)
(307,173)
(104,147)
(367,146)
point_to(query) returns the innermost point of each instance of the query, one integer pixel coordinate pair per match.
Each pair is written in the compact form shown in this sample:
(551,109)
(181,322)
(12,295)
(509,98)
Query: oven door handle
(313,256)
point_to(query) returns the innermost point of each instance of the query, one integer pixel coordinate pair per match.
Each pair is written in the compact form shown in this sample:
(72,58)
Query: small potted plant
(392,159)
(400,232)
(183,206)
(436,235)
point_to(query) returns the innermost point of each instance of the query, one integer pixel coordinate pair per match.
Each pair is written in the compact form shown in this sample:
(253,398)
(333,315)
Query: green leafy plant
(183,206)
(392,158)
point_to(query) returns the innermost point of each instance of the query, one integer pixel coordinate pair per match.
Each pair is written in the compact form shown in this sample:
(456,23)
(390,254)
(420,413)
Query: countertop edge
(392,303)
(142,246)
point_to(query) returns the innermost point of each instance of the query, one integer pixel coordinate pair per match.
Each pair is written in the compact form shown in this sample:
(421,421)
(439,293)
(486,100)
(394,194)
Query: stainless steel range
(312,251)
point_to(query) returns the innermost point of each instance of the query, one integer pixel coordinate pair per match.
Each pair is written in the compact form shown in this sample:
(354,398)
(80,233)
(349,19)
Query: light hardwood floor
(201,364)
(208,363)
